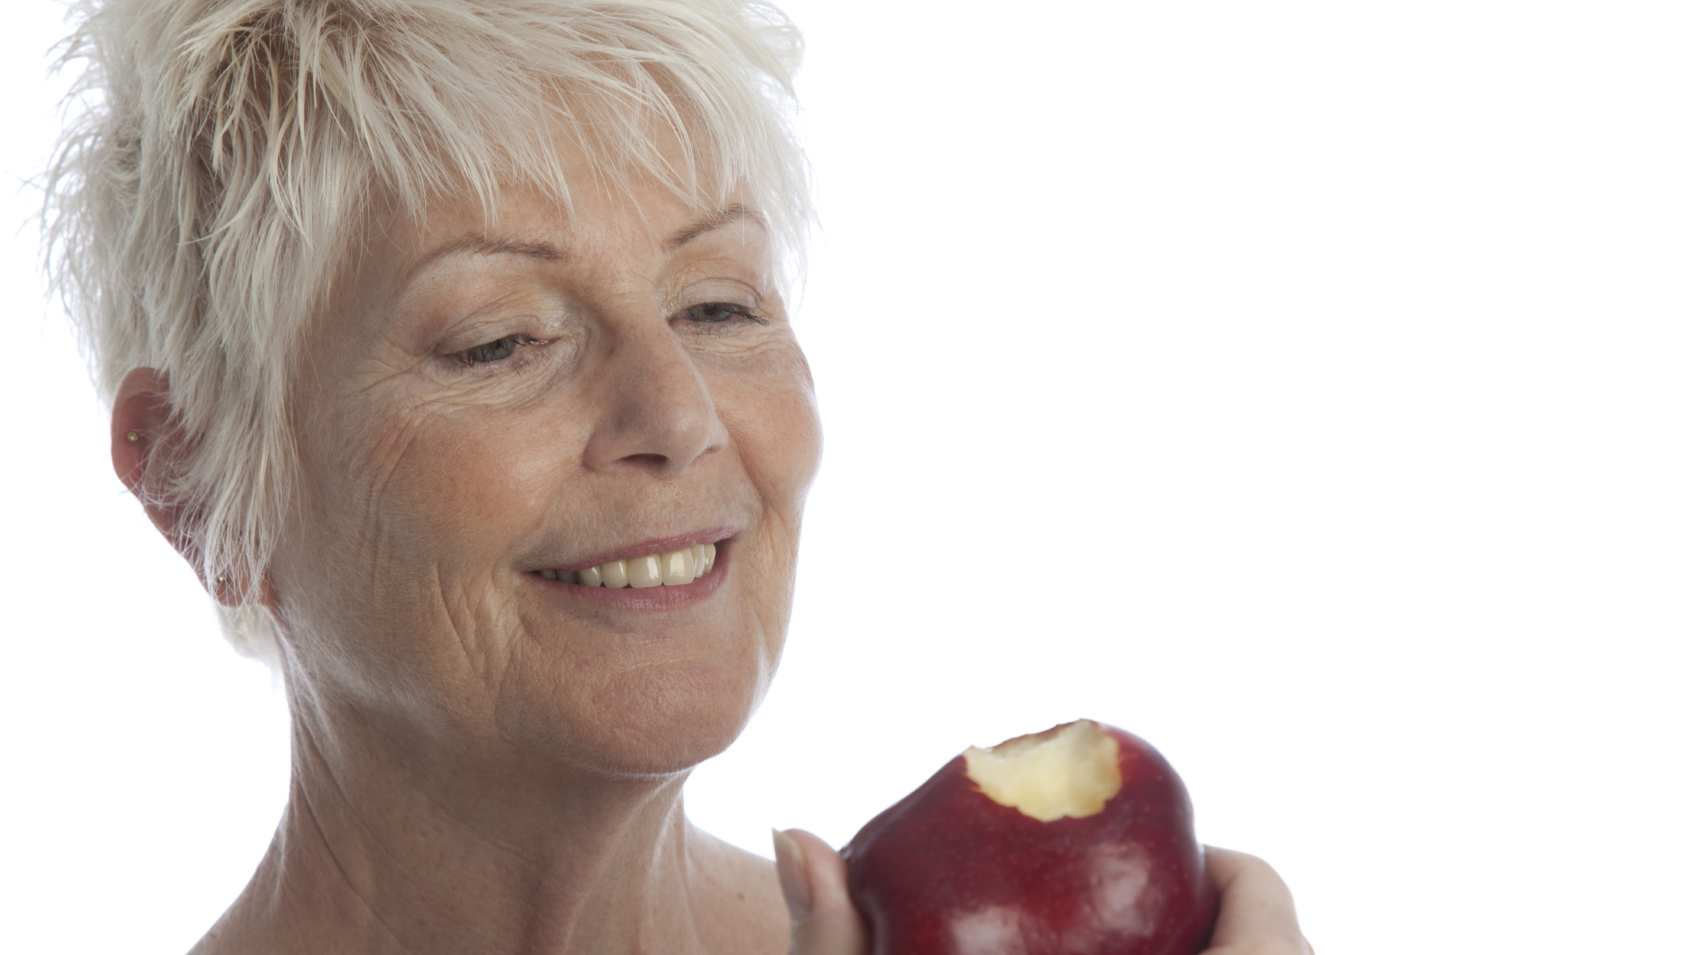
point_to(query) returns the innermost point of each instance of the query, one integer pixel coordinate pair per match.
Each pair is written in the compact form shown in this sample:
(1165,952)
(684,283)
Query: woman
(447,341)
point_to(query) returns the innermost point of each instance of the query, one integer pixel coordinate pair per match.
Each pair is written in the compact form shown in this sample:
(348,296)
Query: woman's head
(242,164)
(498,396)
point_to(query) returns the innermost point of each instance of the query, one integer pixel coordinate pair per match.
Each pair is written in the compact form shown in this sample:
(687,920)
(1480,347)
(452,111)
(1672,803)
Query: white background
(1311,388)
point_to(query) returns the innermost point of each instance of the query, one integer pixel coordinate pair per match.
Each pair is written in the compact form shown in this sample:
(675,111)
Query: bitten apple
(1074,841)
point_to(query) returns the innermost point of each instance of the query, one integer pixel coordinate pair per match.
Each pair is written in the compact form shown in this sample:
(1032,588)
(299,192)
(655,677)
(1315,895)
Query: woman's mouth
(666,569)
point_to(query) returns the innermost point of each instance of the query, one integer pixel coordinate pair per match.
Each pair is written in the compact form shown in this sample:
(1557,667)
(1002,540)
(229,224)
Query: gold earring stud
(219,580)
(134,436)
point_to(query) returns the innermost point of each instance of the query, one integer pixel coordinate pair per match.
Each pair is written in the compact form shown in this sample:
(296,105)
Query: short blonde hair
(201,201)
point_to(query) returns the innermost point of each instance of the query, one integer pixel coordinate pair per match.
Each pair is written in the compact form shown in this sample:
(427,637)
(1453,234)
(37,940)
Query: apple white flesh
(1072,770)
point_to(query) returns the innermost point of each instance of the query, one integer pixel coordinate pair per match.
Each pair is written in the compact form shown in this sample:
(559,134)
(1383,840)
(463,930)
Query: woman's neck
(378,853)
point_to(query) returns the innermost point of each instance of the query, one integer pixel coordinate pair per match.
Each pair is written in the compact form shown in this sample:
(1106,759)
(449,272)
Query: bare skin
(486,759)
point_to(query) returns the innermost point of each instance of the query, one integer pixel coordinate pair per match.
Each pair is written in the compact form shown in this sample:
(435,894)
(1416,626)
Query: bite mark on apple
(1071,770)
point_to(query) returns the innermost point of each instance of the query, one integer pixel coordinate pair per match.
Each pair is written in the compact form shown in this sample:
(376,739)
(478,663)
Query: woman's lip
(659,545)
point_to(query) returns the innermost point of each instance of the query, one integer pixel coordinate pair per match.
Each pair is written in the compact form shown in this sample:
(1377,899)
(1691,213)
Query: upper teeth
(671,568)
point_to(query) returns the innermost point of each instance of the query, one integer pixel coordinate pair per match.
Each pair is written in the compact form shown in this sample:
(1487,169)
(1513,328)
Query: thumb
(816,887)
(1256,911)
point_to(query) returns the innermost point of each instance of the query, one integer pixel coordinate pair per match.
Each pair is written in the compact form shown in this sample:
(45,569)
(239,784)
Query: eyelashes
(711,318)
(712,314)
(497,351)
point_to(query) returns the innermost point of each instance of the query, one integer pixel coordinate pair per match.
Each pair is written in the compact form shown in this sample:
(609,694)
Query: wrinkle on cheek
(774,420)
(384,465)
(781,552)
(402,467)
(474,628)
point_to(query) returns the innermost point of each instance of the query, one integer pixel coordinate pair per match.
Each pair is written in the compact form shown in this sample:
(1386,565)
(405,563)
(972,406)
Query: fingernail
(792,875)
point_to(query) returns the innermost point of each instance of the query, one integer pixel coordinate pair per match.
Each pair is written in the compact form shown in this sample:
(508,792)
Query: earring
(219,580)
(134,436)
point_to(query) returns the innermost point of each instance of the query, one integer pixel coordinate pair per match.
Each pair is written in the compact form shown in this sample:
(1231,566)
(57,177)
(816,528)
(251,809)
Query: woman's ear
(141,429)
(144,435)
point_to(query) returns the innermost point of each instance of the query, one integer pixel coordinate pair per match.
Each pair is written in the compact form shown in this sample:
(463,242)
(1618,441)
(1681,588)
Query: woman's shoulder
(736,900)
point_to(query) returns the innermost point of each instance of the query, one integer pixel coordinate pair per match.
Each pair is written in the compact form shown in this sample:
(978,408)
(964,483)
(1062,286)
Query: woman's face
(493,400)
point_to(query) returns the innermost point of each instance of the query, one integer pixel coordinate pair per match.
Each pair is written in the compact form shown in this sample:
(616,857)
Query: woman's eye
(719,313)
(498,350)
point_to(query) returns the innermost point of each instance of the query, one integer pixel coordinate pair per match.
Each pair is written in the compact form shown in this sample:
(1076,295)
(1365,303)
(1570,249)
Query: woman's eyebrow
(477,243)
(736,212)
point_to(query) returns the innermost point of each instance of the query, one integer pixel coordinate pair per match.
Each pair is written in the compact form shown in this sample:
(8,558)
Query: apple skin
(949,871)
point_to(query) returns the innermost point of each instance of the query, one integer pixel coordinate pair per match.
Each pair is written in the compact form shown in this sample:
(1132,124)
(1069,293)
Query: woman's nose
(657,414)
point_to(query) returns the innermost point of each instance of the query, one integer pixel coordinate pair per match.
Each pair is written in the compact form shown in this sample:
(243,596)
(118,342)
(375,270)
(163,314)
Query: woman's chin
(655,721)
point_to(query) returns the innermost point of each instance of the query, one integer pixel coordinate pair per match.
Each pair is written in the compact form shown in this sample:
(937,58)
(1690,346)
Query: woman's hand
(816,886)
(1256,911)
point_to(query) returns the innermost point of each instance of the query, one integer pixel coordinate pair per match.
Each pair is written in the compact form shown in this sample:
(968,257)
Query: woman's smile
(656,575)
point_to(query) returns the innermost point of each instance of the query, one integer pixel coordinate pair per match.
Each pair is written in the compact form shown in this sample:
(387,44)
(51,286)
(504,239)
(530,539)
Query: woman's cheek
(475,474)
(775,419)
(799,433)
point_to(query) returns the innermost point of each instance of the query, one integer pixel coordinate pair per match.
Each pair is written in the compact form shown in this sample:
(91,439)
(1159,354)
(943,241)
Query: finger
(816,887)
(1257,914)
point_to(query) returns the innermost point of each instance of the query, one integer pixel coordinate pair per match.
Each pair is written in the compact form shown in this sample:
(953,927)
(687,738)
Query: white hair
(201,202)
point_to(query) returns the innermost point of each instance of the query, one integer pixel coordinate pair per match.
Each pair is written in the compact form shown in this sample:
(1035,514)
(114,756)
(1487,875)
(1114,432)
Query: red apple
(1074,841)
